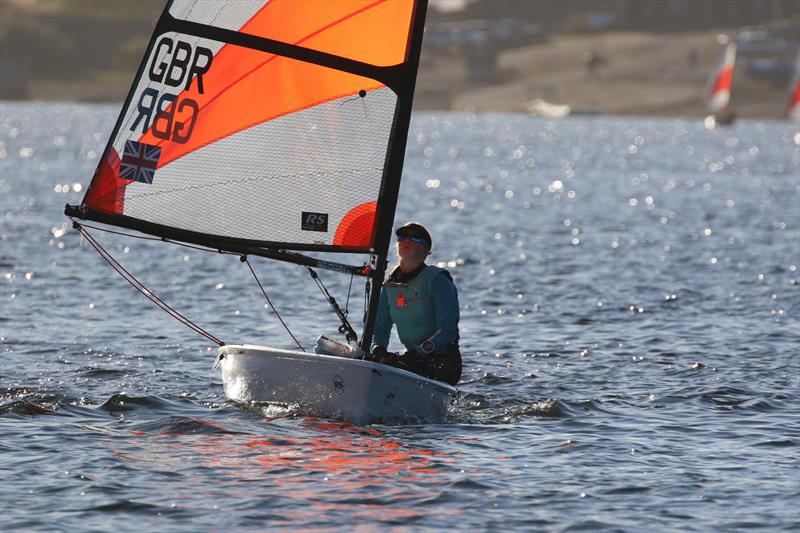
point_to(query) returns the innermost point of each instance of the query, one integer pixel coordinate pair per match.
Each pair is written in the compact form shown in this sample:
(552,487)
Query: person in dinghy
(422,302)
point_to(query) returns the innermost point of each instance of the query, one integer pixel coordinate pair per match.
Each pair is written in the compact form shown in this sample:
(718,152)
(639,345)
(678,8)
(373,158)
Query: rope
(131,235)
(345,328)
(347,302)
(244,260)
(130,278)
(162,239)
(367,289)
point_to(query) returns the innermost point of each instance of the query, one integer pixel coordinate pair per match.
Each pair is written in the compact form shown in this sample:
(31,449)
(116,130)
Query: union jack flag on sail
(139,161)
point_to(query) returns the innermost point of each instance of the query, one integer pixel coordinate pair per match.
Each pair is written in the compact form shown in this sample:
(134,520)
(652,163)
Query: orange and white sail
(793,107)
(718,94)
(265,123)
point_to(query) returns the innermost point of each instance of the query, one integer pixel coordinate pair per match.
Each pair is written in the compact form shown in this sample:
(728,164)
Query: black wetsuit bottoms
(444,366)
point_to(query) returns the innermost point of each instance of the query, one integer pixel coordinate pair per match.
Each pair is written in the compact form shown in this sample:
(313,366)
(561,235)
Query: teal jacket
(424,309)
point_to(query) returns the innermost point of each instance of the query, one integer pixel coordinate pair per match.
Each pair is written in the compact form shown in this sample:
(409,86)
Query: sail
(267,123)
(718,95)
(793,107)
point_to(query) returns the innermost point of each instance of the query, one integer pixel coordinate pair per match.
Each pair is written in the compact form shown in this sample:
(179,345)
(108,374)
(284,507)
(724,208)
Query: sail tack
(225,138)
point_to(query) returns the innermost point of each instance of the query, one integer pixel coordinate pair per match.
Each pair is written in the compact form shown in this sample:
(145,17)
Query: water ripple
(629,326)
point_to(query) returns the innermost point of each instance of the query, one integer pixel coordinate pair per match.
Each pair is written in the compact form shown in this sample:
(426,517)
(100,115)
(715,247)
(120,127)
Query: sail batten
(284,49)
(381,37)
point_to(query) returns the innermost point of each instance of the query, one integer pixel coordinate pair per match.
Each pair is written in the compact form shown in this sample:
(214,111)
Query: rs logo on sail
(174,64)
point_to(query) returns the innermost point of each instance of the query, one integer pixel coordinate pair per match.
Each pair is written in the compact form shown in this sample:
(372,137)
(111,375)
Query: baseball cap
(417,230)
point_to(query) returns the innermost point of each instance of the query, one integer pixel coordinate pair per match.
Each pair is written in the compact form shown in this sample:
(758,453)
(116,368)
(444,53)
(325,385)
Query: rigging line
(346,329)
(131,235)
(367,287)
(347,302)
(130,278)
(148,294)
(161,239)
(245,260)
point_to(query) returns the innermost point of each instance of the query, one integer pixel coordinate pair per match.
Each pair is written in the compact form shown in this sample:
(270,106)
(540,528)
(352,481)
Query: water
(630,325)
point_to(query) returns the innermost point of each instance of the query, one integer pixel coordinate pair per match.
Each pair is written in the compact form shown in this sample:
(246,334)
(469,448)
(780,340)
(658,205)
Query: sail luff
(393,168)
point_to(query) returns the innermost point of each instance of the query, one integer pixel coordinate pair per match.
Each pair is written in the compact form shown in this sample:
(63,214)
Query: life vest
(411,306)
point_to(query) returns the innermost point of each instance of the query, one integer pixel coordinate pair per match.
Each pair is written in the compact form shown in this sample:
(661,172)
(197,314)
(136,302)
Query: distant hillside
(493,55)
(75,49)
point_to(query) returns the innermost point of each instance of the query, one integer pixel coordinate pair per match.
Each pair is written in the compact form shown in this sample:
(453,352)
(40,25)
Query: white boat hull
(327,386)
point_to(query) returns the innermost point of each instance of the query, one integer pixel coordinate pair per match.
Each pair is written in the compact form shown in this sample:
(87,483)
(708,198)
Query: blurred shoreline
(58,54)
(639,73)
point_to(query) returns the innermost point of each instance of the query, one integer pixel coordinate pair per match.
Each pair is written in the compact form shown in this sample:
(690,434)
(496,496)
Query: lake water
(630,323)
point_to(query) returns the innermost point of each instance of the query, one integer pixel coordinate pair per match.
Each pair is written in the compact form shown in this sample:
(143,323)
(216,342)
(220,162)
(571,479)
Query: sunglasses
(415,239)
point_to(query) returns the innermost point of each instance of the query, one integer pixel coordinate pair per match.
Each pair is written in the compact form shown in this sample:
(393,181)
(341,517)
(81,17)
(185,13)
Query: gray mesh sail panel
(228,14)
(256,182)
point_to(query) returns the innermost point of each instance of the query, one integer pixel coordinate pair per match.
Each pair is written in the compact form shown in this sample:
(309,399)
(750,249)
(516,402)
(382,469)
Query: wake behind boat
(275,129)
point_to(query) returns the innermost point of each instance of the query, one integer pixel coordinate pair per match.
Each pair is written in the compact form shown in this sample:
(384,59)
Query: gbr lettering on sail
(175,64)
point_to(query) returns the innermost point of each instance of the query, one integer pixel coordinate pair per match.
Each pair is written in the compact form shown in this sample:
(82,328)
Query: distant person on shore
(422,301)
(592,60)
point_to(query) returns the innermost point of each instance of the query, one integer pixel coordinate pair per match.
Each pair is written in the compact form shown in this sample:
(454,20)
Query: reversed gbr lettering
(174,64)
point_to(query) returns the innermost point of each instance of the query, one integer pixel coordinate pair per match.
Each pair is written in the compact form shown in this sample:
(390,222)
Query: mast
(393,169)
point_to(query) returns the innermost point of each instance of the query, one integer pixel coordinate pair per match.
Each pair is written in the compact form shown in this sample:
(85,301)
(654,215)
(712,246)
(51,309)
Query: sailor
(422,302)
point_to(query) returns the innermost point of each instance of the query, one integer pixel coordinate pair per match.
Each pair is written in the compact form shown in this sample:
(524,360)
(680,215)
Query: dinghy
(331,386)
(718,93)
(276,129)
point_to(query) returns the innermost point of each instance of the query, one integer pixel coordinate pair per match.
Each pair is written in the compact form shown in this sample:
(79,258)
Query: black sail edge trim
(393,166)
(273,250)
(392,75)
